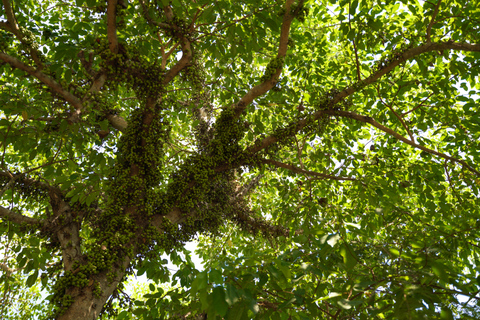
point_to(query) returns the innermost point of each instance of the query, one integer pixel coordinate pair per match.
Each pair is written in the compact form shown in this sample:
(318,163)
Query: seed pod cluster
(6,40)
(130,68)
(272,68)
(299,11)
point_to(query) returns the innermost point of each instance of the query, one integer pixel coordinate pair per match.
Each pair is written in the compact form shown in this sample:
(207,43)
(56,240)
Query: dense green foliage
(324,154)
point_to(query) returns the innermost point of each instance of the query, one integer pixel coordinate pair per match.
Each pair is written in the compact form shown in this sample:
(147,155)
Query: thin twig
(429,27)
(370,120)
(307,172)
(421,104)
(399,117)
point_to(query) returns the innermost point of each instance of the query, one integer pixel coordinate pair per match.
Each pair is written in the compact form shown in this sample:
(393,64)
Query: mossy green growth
(272,67)
(300,11)
(77,277)
(198,189)
(138,170)
(131,68)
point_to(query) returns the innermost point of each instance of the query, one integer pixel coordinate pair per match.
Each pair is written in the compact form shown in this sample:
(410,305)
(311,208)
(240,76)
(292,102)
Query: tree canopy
(324,154)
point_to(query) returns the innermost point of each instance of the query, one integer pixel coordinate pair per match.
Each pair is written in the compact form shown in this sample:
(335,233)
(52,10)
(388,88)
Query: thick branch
(400,58)
(17,217)
(112,25)
(86,304)
(68,233)
(268,84)
(12,22)
(409,54)
(5,26)
(117,122)
(307,172)
(52,84)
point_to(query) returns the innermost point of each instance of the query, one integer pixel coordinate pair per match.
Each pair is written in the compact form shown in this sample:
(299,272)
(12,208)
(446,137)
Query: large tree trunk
(86,304)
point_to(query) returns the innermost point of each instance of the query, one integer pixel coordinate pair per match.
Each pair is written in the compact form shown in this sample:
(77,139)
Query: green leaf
(238,312)
(215,276)
(32,279)
(349,257)
(231,294)
(348,304)
(333,239)
(221,306)
(329,296)
(439,269)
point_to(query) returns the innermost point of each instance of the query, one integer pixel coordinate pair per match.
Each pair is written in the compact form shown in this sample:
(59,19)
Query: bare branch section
(52,84)
(17,217)
(67,232)
(117,122)
(370,120)
(11,21)
(112,25)
(5,26)
(268,84)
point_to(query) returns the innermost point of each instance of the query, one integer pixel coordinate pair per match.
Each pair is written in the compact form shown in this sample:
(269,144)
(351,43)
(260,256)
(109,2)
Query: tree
(324,153)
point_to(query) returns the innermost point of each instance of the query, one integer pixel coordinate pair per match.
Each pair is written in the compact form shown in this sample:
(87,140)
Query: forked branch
(399,58)
(52,84)
(269,83)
